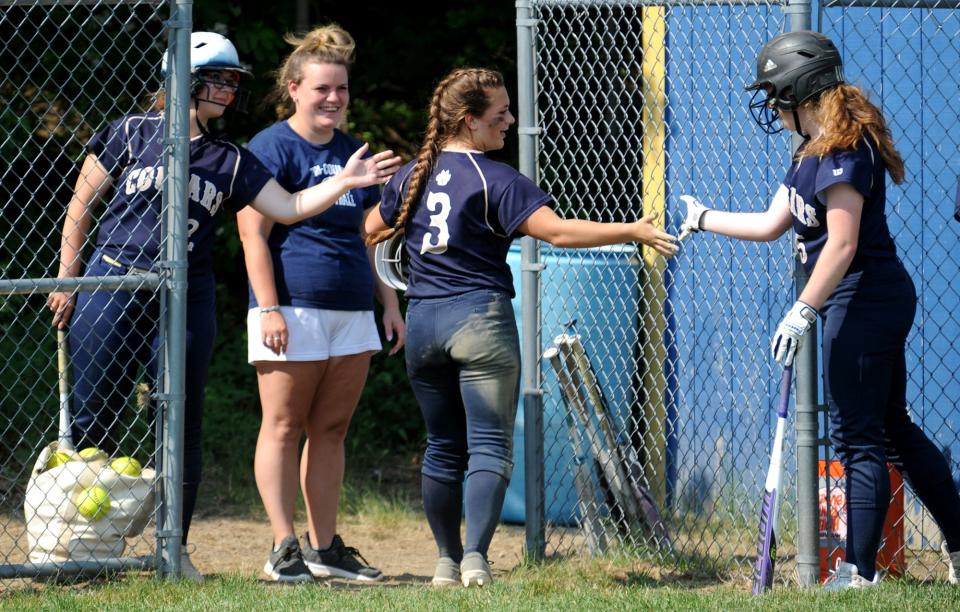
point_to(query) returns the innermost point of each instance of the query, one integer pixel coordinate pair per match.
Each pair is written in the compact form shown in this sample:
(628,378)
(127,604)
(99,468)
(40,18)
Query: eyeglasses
(220,79)
(221,83)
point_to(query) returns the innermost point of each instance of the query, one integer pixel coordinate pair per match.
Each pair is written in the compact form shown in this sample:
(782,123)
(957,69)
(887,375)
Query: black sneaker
(286,563)
(338,561)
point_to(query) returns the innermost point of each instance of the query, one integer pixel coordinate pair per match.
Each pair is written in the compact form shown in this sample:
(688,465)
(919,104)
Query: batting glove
(695,212)
(790,332)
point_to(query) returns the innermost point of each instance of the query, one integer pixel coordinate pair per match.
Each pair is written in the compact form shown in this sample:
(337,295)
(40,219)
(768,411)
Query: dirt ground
(401,546)
(403,549)
(229,540)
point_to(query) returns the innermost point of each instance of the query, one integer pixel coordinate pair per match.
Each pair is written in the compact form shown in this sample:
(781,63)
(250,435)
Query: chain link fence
(636,103)
(906,55)
(66,69)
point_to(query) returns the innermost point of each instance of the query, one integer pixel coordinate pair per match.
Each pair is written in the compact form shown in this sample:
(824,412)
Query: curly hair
(846,116)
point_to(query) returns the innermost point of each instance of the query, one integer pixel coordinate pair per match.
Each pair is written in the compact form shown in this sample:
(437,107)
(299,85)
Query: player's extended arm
(280,205)
(544,224)
(760,227)
(373,222)
(94,181)
(254,230)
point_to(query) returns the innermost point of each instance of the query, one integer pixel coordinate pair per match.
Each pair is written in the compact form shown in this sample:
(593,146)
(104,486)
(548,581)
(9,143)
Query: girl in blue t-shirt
(834,196)
(311,326)
(460,211)
(115,333)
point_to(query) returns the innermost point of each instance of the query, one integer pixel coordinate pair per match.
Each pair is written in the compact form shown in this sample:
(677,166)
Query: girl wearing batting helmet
(460,211)
(834,197)
(311,325)
(113,334)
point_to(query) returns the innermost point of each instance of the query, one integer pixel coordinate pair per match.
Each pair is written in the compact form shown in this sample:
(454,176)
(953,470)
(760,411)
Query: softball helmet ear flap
(391,260)
(791,69)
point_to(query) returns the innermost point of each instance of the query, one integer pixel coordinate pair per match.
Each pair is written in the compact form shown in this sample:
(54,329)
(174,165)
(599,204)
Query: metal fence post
(530,293)
(808,414)
(808,449)
(71,70)
(175,190)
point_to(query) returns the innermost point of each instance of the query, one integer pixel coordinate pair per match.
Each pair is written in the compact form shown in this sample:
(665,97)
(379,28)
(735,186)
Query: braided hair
(463,92)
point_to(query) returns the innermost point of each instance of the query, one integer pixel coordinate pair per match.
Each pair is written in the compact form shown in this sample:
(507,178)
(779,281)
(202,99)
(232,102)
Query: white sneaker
(187,570)
(846,576)
(953,564)
(447,572)
(475,571)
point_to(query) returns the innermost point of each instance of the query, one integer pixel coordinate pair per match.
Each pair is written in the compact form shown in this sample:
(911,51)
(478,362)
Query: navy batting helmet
(791,69)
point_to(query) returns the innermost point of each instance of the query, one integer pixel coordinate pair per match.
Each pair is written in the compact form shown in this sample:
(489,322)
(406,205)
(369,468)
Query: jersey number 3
(439,204)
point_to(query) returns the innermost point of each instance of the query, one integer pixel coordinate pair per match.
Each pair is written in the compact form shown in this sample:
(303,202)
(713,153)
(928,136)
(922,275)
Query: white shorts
(316,334)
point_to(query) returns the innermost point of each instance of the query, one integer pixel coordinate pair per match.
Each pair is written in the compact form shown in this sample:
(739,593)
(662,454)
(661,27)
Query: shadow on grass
(634,567)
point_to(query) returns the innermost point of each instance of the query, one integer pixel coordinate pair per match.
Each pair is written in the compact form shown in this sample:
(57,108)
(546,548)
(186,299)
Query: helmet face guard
(791,69)
(765,113)
(390,260)
(204,77)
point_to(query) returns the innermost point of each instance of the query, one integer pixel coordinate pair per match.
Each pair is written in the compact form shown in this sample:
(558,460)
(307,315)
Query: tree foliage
(48,111)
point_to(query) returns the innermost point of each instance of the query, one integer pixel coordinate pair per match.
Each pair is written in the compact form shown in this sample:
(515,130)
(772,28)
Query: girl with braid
(460,211)
(311,326)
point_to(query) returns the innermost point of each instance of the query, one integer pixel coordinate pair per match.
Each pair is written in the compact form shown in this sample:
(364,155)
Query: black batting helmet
(793,68)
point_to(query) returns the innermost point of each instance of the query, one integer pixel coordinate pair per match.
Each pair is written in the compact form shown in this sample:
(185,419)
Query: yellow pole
(653,319)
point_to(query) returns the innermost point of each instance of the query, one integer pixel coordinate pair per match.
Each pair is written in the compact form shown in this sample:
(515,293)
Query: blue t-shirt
(320,262)
(808,179)
(222,175)
(459,235)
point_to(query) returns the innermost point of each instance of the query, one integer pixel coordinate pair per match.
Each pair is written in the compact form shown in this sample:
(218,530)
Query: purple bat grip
(785,380)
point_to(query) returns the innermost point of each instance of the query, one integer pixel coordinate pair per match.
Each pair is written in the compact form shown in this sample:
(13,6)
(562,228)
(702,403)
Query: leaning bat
(612,472)
(582,479)
(642,504)
(770,510)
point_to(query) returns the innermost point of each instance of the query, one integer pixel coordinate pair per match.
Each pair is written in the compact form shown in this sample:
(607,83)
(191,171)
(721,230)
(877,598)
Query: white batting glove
(790,332)
(695,211)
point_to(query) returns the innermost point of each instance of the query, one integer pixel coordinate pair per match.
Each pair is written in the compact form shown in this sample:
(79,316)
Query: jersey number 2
(438,203)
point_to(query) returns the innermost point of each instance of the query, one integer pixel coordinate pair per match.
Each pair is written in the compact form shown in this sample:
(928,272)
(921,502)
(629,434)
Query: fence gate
(67,68)
(625,106)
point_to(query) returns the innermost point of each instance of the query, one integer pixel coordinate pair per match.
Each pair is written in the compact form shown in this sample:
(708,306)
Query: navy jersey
(222,175)
(461,230)
(320,262)
(808,179)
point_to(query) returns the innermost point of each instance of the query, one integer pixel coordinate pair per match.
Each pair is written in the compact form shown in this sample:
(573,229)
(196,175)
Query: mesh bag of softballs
(82,506)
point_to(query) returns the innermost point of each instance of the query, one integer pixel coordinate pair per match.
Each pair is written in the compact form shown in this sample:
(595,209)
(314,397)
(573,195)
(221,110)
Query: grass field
(388,523)
(598,584)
